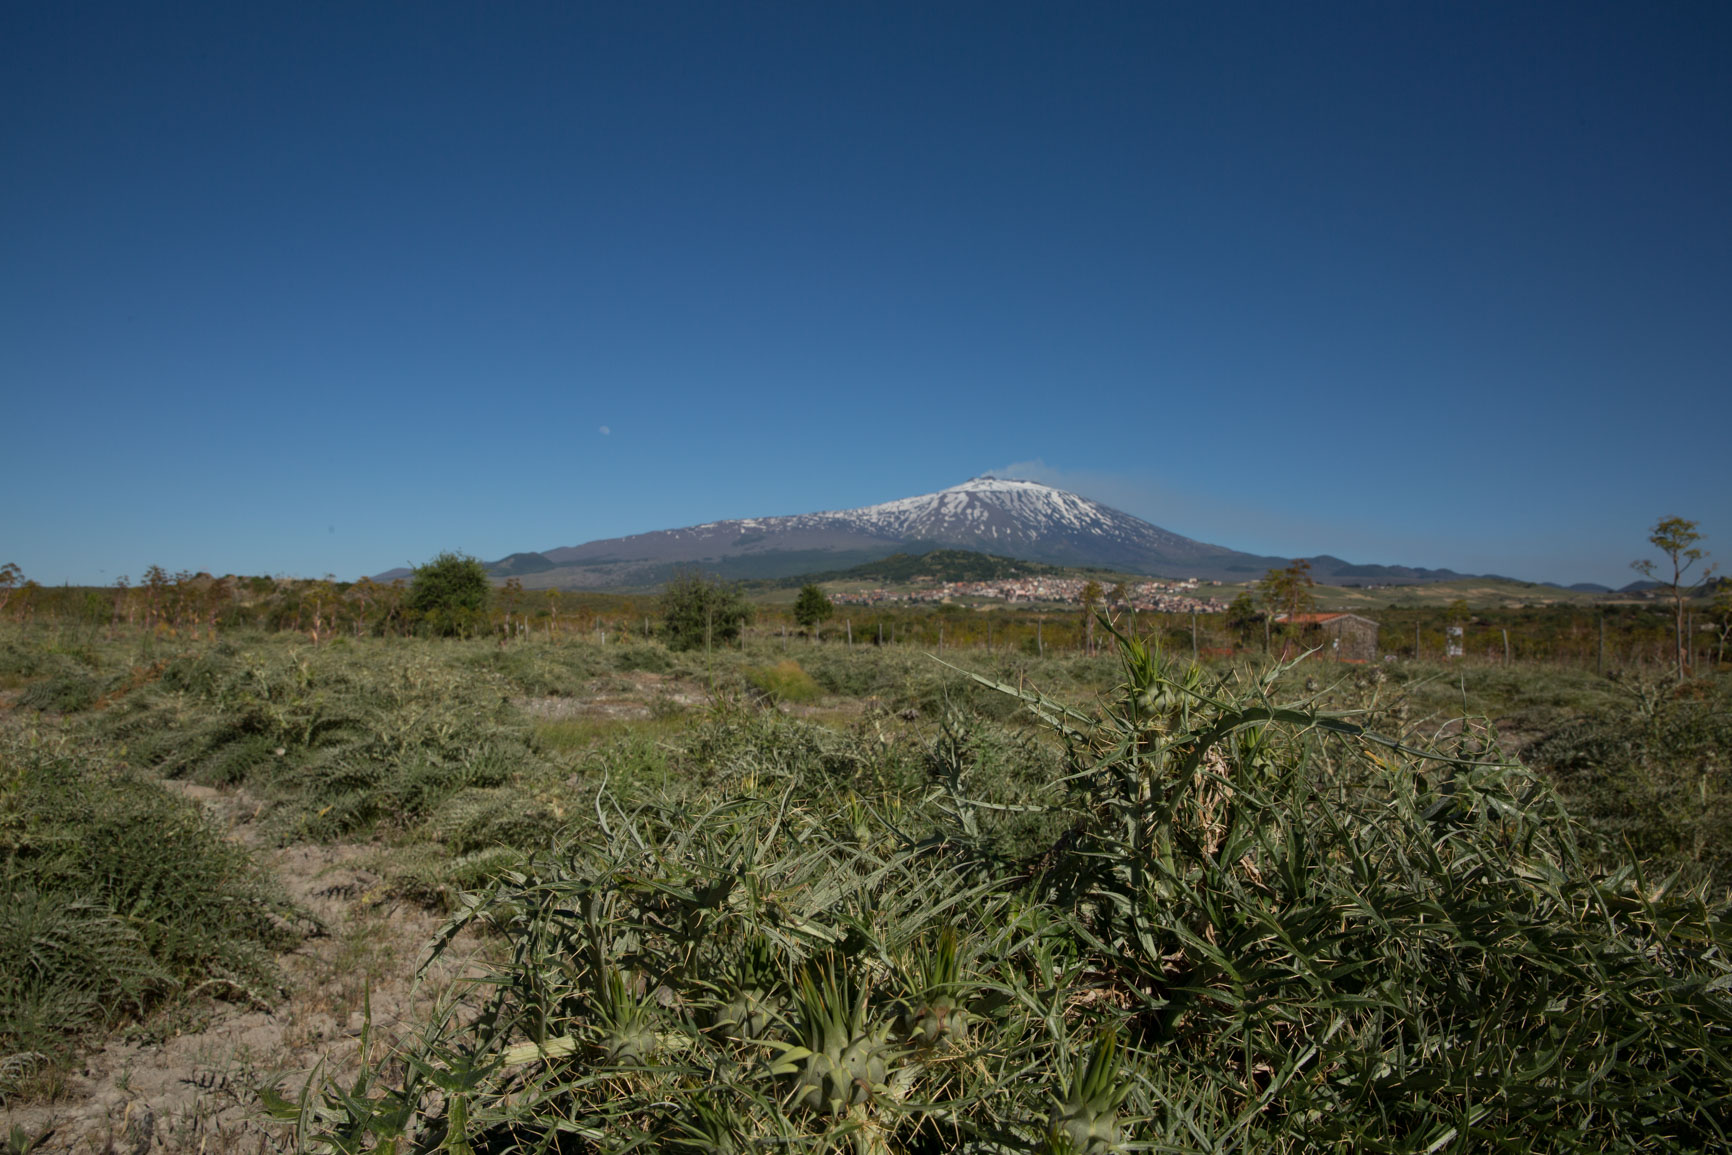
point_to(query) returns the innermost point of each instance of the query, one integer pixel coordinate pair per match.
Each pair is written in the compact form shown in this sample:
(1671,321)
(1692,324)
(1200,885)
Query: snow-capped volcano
(1023,519)
(1020,519)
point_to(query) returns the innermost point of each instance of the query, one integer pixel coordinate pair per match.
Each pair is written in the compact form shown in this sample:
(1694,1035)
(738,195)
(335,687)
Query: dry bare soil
(191,1082)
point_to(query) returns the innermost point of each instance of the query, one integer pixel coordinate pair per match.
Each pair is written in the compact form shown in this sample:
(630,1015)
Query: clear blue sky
(306,288)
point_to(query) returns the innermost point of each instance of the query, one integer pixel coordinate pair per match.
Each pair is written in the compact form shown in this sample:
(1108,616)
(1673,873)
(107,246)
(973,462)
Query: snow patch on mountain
(995,513)
(996,508)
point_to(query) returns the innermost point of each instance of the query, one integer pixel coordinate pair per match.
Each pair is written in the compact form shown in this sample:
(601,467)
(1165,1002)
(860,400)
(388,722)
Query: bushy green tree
(448,596)
(700,611)
(1243,616)
(812,607)
(1289,591)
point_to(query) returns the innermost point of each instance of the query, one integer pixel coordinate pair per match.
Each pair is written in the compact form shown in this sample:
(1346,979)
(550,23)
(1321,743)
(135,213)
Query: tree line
(452,595)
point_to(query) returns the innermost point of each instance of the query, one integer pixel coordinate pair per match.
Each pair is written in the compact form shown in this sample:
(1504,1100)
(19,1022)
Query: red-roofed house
(1348,637)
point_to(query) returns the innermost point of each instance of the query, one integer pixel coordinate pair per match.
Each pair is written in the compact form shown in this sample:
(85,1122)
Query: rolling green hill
(939,565)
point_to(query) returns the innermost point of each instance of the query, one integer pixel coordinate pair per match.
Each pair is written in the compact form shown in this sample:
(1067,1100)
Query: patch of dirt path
(188,1081)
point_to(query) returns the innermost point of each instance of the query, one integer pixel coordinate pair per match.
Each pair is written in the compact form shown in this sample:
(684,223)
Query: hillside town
(1148,596)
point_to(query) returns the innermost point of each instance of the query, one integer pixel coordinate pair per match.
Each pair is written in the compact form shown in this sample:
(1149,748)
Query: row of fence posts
(1039,635)
(1196,647)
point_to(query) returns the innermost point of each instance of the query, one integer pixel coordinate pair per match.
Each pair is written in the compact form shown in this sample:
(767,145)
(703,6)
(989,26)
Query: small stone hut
(1345,637)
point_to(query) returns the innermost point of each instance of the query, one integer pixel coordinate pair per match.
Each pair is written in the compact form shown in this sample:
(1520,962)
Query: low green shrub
(542,671)
(429,875)
(1653,776)
(1012,778)
(648,658)
(479,819)
(732,746)
(785,681)
(18,660)
(65,694)
(336,742)
(860,672)
(114,896)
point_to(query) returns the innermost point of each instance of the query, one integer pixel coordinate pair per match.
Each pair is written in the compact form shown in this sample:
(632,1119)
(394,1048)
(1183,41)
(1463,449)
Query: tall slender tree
(510,596)
(1091,600)
(1720,613)
(1676,537)
(156,582)
(10,578)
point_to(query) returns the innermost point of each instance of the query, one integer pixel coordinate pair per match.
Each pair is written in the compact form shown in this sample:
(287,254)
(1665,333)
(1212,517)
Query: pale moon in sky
(605,431)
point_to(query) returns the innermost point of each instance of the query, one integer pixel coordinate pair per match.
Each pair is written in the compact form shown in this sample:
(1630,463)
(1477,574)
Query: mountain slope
(1019,519)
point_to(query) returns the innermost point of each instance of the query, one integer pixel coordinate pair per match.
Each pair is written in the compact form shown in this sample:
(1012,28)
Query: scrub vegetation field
(331,891)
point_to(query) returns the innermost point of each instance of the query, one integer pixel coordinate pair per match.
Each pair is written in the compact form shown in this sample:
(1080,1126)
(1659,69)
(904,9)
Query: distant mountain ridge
(1025,520)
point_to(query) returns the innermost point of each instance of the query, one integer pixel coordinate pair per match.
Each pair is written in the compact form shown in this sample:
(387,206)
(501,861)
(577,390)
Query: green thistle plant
(1087,1121)
(755,1002)
(935,1013)
(626,1027)
(712,1125)
(845,1057)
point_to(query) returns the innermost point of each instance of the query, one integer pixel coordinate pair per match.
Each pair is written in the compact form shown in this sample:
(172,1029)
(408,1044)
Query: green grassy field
(827,896)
